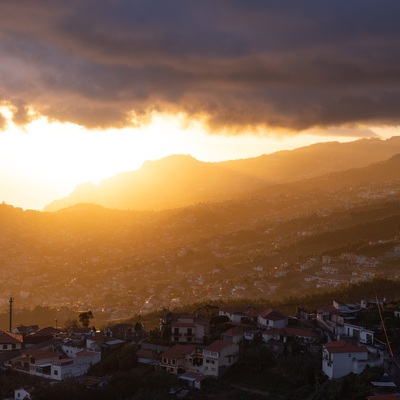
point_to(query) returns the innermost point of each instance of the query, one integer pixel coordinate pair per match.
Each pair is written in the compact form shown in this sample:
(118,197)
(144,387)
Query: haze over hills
(257,243)
(180,180)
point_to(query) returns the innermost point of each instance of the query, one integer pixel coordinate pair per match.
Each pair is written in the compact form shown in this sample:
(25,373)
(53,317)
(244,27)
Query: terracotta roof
(234,331)
(340,346)
(326,309)
(39,354)
(393,396)
(63,361)
(218,345)
(86,353)
(48,331)
(179,351)
(273,331)
(303,332)
(148,354)
(272,315)
(10,338)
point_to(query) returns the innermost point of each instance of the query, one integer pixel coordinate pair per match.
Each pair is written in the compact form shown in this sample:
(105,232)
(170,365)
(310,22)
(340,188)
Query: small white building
(364,335)
(76,366)
(24,393)
(189,328)
(218,357)
(340,358)
(10,341)
(271,318)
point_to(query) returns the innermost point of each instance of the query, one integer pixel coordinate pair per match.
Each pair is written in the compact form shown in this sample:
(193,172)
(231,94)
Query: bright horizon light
(44,161)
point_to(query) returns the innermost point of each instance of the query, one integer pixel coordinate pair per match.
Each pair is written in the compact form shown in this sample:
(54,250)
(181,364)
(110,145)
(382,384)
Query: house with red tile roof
(181,358)
(25,329)
(145,356)
(51,364)
(240,315)
(233,335)
(189,328)
(340,358)
(10,341)
(35,362)
(303,335)
(23,393)
(271,318)
(74,366)
(193,380)
(218,357)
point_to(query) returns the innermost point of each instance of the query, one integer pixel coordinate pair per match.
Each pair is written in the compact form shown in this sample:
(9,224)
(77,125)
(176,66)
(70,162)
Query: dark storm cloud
(238,63)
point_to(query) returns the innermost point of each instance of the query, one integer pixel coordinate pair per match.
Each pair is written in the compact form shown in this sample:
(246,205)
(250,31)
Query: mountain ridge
(180,180)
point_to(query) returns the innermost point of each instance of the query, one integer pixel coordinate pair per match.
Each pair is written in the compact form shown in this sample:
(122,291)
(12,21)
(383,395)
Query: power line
(385,331)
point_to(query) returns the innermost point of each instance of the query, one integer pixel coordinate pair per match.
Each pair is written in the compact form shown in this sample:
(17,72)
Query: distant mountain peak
(180,180)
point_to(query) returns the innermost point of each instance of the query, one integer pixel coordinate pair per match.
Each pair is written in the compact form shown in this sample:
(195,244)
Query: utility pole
(11,303)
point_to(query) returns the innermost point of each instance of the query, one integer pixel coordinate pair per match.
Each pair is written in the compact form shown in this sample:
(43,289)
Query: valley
(280,241)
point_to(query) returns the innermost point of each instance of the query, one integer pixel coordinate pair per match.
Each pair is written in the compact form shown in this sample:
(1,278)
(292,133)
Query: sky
(91,88)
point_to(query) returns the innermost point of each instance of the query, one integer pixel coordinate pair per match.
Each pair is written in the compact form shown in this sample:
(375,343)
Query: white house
(233,335)
(340,358)
(76,366)
(218,357)
(193,379)
(23,393)
(239,315)
(271,318)
(181,358)
(303,335)
(51,365)
(189,328)
(10,341)
(358,332)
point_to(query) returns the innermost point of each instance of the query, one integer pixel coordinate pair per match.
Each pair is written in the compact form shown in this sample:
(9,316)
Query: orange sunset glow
(86,94)
(46,160)
(199,199)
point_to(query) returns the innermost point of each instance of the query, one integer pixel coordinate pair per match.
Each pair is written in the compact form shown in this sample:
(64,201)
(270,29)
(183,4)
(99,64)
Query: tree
(71,324)
(85,317)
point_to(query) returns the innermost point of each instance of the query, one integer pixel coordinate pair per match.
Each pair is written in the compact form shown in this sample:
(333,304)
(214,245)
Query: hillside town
(203,345)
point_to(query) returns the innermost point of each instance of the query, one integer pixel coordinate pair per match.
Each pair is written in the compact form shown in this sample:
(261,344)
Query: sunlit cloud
(290,66)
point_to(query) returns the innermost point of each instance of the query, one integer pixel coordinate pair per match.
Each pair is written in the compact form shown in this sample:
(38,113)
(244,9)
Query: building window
(4,347)
(55,372)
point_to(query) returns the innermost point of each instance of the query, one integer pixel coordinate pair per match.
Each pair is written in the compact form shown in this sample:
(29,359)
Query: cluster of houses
(194,354)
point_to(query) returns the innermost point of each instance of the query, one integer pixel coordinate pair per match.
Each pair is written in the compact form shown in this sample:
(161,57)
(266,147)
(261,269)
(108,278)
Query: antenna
(11,303)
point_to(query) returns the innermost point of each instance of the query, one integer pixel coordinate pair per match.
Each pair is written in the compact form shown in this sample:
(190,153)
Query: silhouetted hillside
(177,181)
